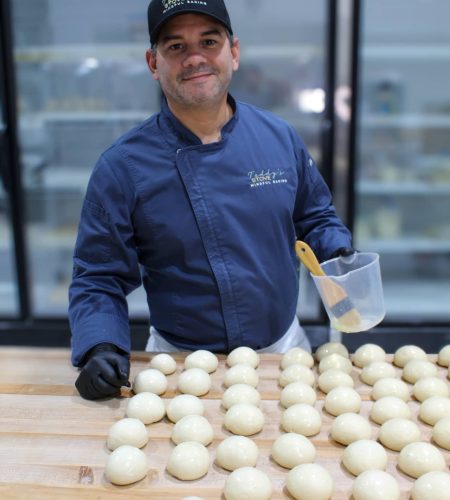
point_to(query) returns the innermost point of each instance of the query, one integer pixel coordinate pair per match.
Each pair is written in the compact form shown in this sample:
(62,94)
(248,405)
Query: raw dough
(297,392)
(433,409)
(350,427)
(310,481)
(375,485)
(188,461)
(164,363)
(334,378)
(150,380)
(247,483)
(342,400)
(441,433)
(296,373)
(243,355)
(147,407)
(205,360)
(240,393)
(390,386)
(364,454)
(396,433)
(192,428)
(368,353)
(444,356)
(426,387)
(194,381)
(297,355)
(184,404)
(377,370)
(433,485)
(241,373)
(129,431)
(293,449)
(389,407)
(417,459)
(244,419)
(335,362)
(331,348)
(406,353)
(302,419)
(235,452)
(126,465)
(418,368)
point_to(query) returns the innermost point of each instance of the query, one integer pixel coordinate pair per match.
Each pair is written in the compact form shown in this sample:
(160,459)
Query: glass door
(403,154)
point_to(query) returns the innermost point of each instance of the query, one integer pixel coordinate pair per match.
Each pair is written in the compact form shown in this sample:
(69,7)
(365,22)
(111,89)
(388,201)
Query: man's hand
(343,252)
(104,372)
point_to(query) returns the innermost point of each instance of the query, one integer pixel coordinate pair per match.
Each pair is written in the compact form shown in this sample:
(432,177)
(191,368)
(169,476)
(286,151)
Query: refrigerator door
(403,154)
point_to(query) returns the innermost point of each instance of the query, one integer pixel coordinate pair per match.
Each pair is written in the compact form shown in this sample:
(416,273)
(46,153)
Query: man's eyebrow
(169,37)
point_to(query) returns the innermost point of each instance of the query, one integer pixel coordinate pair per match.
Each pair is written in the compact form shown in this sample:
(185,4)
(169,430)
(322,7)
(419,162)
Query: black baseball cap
(160,11)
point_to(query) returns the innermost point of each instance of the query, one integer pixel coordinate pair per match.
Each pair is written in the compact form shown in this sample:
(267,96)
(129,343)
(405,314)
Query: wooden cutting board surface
(53,443)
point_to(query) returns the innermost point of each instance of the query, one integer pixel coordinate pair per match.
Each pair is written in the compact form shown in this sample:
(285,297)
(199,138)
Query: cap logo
(170,4)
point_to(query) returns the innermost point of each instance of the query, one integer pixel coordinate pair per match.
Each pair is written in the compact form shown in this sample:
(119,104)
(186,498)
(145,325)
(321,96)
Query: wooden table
(52,442)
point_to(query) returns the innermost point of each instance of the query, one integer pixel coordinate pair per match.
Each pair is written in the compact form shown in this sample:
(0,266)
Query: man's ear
(236,53)
(150,56)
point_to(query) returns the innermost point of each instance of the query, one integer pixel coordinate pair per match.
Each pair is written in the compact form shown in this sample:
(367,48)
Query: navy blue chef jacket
(209,229)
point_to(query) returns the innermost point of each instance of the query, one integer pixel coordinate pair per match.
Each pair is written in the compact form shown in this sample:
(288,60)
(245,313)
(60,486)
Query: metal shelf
(411,121)
(405,245)
(403,188)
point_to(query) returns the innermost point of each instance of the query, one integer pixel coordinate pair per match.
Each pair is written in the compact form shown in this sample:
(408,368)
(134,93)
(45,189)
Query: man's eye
(175,46)
(210,42)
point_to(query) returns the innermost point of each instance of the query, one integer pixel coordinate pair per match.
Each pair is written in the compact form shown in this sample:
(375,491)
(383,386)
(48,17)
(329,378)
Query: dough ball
(297,392)
(417,369)
(417,459)
(433,409)
(310,481)
(192,498)
(240,393)
(244,355)
(426,387)
(164,363)
(407,353)
(375,485)
(342,400)
(364,454)
(334,378)
(390,387)
(367,354)
(241,373)
(396,433)
(244,419)
(297,355)
(433,485)
(150,380)
(389,407)
(147,407)
(293,449)
(194,381)
(235,452)
(126,465)
(444,356)
(192,428)
(350,427)
(296,373)
(441,433)
(188,461)
(247,483)
(129,431)
(335,362)
(302,419)
(184,404)
(205,360)
(377,370)
(331,348)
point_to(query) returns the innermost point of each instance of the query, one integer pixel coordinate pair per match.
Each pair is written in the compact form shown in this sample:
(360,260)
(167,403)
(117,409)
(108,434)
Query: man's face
(193,62)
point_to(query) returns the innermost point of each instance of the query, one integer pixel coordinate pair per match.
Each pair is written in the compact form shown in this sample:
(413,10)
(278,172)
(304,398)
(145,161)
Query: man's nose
(193,57)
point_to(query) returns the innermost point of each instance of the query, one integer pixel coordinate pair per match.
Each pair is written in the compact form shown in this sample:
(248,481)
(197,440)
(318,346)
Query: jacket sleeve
(105,263)
(315,218)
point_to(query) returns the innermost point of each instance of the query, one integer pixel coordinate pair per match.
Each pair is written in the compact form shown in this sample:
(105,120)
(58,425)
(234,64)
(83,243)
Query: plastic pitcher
(359,277)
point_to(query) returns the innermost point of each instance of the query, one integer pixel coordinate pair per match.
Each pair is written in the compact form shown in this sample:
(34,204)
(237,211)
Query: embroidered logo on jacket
(266,178)
(170,4)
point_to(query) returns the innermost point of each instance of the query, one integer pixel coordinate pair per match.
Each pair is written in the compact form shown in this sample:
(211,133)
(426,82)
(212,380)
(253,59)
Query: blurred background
(365,83)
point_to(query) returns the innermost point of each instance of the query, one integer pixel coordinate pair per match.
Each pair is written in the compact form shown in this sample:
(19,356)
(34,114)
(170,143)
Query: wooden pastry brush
(333,295)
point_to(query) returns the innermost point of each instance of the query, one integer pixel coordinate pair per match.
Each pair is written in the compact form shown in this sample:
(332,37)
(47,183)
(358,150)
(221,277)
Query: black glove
(106,369)
(343,252)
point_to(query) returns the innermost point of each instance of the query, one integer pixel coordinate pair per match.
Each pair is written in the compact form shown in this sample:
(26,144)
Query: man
(205,200)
